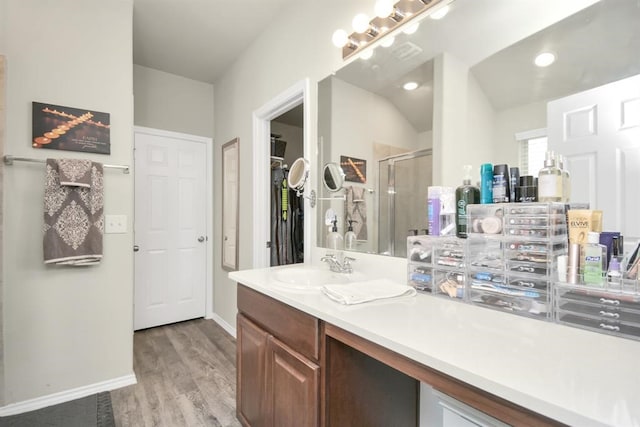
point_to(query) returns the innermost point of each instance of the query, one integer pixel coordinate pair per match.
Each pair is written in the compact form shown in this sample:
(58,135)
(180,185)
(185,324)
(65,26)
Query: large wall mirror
(480,98)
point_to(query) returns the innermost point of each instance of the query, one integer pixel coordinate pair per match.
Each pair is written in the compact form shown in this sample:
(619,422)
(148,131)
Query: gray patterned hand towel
(357,211)
(73,212)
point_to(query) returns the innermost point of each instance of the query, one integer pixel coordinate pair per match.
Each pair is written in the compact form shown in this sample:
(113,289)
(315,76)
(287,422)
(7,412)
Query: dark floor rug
(89,411)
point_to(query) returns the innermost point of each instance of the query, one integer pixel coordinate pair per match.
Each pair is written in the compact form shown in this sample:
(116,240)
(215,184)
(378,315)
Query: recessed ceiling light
(410,86)
(545,59)
(440,13)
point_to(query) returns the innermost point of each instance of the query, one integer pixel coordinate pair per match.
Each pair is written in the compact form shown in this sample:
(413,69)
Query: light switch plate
(115,224)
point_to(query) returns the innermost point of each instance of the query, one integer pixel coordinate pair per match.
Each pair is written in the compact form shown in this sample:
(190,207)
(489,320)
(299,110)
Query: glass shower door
(404,180)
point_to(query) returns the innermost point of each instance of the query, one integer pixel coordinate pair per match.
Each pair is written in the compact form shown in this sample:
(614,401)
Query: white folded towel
(371,290)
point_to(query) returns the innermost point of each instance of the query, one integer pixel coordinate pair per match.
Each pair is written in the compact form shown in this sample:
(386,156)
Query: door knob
(201,239)
(136,248)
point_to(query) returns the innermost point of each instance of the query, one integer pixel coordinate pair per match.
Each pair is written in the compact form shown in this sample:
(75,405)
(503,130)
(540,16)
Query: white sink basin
(311,277)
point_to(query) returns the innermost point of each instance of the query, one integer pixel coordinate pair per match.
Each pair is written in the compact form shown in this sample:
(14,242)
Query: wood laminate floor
(186,377)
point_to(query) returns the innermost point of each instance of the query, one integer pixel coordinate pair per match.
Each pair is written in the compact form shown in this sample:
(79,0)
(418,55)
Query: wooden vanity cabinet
(278,368)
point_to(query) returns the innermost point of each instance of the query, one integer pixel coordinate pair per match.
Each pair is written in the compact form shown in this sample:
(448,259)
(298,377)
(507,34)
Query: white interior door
(170,229)
(599,132)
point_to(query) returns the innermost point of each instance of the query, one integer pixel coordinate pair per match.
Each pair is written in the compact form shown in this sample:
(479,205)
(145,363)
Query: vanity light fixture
(440,13)
(389,17)
(366,54)
(410,86)
(411,28)
(387,41)
(360,23)
(545,59)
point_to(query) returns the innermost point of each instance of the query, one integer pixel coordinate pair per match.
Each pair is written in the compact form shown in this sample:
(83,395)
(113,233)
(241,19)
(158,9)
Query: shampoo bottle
(550,181)
(486,183)
(334,239)
(593,259)
(350,236)
(466,194)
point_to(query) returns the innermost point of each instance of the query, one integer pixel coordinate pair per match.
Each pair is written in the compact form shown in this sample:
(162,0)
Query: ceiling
(595,46)
(198,39)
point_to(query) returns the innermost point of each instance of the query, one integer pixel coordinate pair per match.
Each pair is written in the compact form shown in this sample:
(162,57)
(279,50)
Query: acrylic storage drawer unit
(485,219)
(602,310)
(420,249)
(449,283)
(420,276)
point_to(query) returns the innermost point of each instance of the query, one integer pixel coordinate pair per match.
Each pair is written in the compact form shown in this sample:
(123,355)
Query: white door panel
(170,219)
(598,130)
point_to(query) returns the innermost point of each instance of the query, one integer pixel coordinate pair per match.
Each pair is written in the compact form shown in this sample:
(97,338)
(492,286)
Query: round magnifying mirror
(298,173)
(332,177)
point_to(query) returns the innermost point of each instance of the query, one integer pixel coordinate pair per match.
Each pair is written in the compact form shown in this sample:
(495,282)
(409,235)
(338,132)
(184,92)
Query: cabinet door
(251,396)
(293,383)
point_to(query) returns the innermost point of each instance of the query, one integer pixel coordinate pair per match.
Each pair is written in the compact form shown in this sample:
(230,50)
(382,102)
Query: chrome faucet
(336,266)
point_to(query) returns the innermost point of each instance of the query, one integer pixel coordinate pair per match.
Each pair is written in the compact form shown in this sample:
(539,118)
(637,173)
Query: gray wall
(65,328)
(169,102)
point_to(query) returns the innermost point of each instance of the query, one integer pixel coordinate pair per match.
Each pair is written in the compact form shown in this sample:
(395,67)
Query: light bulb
(383,8)
(411,28)
(340,38)
(545,59)
(360,23)
(387,41)
(410,86)
(366,54)
(440,13)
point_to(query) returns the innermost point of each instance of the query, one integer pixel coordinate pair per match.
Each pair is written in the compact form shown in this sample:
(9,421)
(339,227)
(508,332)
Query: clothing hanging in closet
(287,219)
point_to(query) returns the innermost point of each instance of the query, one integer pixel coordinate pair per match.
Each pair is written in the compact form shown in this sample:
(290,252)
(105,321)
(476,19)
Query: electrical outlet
(115,224)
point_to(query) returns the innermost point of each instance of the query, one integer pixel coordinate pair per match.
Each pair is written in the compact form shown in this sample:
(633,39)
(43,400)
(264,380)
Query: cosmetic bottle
(514,177)
(614,272)
(501,190)
(334,239)
(466,194)
(566,178)
(486,183)
(350,236)
(550,181)
(592,260)
(526,191)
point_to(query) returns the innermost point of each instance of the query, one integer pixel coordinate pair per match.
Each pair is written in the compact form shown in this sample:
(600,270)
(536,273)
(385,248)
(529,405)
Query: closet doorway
(287,208)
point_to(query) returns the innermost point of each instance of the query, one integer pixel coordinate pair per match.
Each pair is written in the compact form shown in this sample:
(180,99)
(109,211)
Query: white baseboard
(67,395)
(220,321)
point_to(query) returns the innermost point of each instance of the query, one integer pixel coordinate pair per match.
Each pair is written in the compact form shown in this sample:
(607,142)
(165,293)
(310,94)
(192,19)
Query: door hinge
(268,245)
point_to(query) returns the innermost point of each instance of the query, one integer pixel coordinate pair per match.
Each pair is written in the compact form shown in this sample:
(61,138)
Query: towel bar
(9,159)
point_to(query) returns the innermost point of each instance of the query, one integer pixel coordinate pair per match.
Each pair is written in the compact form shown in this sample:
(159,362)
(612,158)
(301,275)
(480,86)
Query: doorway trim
(208,142)
(285,101)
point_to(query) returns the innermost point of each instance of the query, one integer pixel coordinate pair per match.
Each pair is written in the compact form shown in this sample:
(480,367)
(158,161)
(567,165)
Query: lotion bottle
(466,194)
(550,181)
(334,239)
(350,236)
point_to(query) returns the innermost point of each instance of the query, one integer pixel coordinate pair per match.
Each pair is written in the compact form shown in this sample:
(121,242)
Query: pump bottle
(334,239)
(350,236)
(466,194)
(550,181)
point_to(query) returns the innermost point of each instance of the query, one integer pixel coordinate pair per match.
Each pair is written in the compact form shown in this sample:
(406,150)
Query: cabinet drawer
(291,326)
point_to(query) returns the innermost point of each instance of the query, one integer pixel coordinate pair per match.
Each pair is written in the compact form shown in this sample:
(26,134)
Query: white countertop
(577,377)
